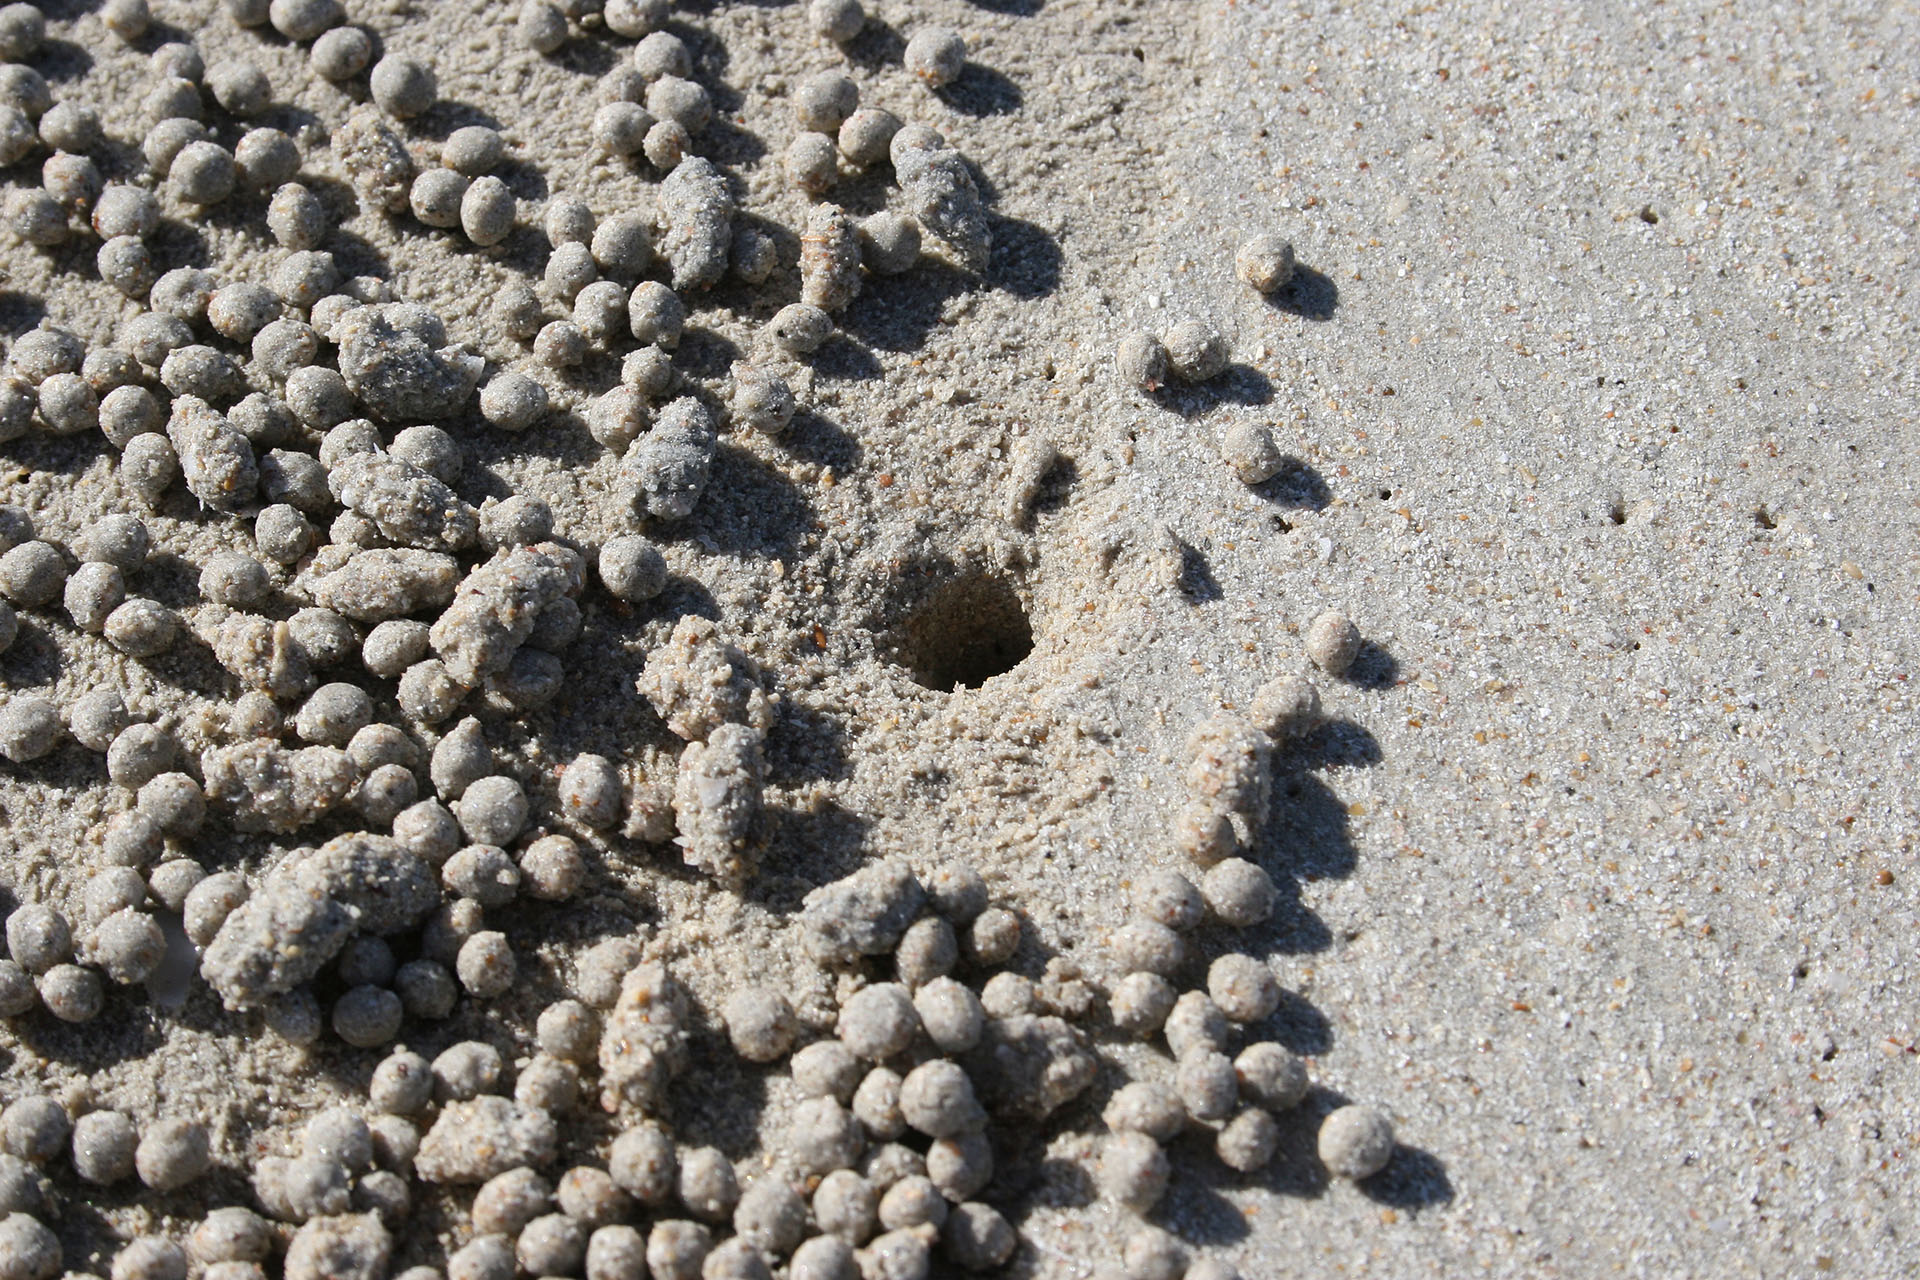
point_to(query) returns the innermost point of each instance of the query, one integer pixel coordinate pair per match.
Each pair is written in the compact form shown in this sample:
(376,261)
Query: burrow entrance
(964,633)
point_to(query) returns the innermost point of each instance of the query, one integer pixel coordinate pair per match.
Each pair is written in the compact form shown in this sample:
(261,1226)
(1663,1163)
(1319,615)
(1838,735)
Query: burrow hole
(967,632)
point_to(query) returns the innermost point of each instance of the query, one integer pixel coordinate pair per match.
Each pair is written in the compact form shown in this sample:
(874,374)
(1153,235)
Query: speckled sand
(1600,385)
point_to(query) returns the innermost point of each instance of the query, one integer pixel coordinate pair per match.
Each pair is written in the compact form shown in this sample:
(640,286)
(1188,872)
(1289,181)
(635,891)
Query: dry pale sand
(1599,390)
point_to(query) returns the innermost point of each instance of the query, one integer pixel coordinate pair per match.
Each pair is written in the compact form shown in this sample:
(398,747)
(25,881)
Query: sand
(1599,391)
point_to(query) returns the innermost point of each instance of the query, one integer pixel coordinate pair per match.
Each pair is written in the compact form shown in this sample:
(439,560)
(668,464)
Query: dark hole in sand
(965,633)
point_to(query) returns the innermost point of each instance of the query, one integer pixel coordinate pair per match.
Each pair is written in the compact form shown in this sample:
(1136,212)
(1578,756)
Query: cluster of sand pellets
(326,851)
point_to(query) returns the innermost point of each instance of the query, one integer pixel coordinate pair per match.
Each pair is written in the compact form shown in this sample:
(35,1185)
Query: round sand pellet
(656,315)
(513,402)
(635,18)
(937,1099)
(303,20)
(29,727)
(879,1021)
(72,993)
(993,936)
(436,196)
(913,1201)
(977,1237)
(666,144)
(28,1249)
(1243,987)
(173,1153)
(473,150)
(202,173)
(266,159)
(1150,1253)
(1008,995)
(827,1068)
(616,1252)
(961,1167)
(1248,1141)
(760,1023)
(35,1128)
(1140,1003)
(552,869)
(1248,448)
(93,593)
(823,1136)
(341,54)
(487,211)
(486,965)
(127,946)
(1148,1107)
(1286,708)
(936,55)
(1147,946)
(683,101)
(837,20)
(823,101)
(950,1013)
(1271,1076)
(1239,893)
(864,135)
(811,163)
(889,242)
(632,568)
(844,1206)
(368,1016)
(1196,1025)
(927,950)
(403,87)
(1265,262)
(239,86)
(876,1104)
(1133,1170)
(800,329)
(707,1184)
(1333,642)
(620,128)
(677,1248)
(103,1147)
(127,19)
(1355,1142)
(1196,351)
(1207,1084)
